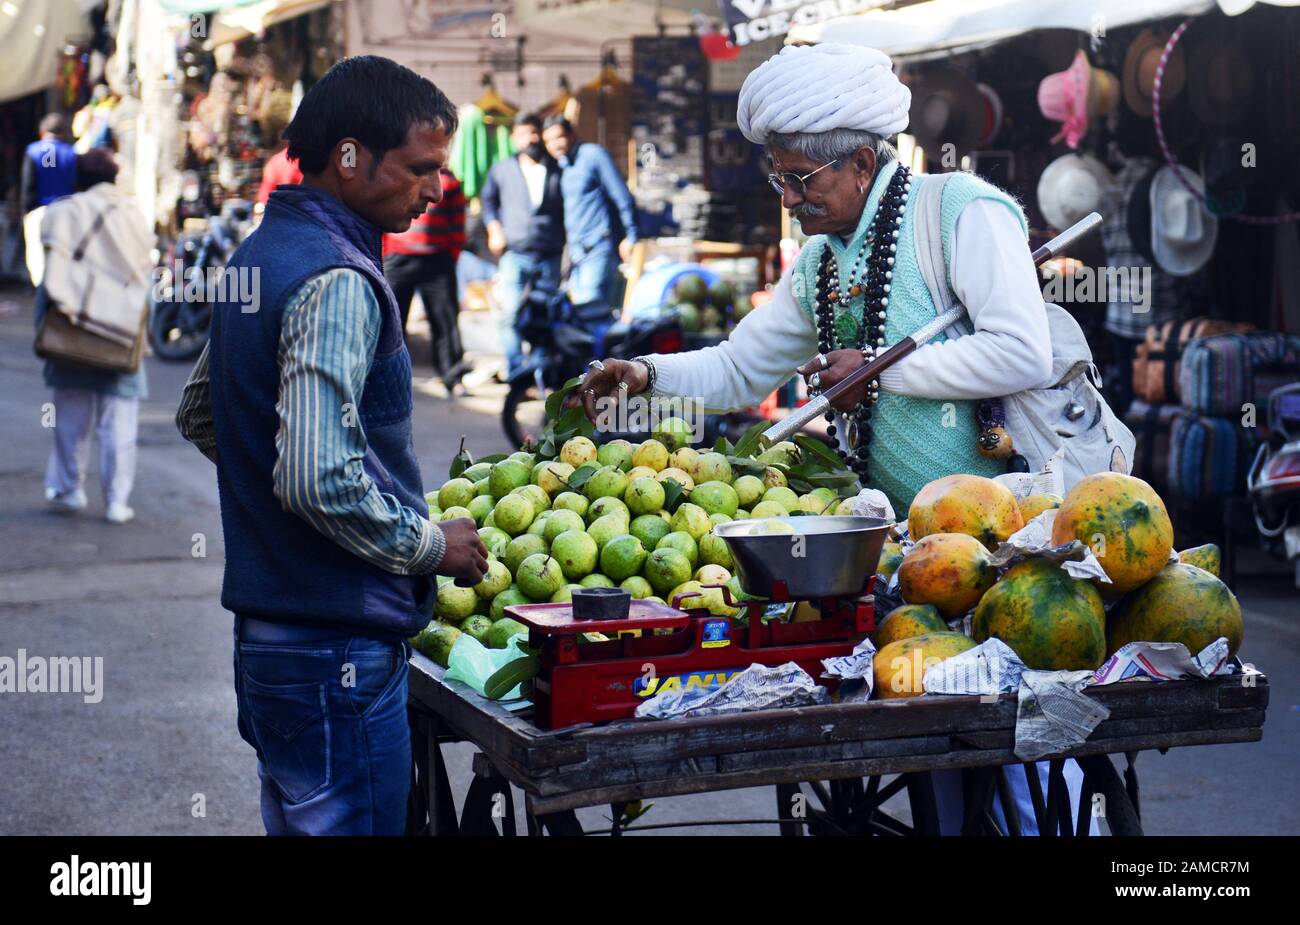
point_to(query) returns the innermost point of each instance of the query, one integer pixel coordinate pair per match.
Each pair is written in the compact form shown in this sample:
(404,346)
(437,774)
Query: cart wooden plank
(588,765)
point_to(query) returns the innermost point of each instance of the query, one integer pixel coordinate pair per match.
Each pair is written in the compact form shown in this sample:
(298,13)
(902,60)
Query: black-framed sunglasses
(782,181)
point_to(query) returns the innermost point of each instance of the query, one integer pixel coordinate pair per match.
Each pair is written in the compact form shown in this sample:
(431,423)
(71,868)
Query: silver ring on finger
(597,365)
(826,363)
(815,381)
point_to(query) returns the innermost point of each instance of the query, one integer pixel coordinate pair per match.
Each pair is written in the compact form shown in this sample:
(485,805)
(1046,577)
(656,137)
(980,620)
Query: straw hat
(1072,186)
(1076,95)
(1140,63)
(1183,231)
(946,108)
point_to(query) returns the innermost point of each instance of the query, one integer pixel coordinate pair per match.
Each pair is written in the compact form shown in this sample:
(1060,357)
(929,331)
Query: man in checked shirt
(303,401)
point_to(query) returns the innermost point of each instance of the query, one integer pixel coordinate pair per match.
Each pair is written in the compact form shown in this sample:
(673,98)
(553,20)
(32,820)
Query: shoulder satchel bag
(62,338)
(1071,415)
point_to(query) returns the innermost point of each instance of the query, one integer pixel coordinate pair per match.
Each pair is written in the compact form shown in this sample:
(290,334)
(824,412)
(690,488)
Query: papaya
(891,556)
(1052,621)
(1123,521)
(969,504)
(949,570)
(908,621)
(899,668)
(1181,604)
(1207,557)
(1033,505)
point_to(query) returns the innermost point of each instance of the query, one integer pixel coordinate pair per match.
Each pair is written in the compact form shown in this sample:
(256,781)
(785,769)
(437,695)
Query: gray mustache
(808,210)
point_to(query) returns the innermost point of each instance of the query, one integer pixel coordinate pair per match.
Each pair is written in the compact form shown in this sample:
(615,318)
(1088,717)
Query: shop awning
(232,20)
(596,21)
(952,25)
(31,35)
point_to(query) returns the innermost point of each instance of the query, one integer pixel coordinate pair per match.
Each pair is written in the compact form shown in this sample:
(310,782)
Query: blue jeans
(513,273)
(326,714)
(591,273)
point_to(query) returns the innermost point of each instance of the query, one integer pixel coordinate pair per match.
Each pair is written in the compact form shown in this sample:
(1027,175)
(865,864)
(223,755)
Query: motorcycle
(1274,479)
(179,322)
(565,337)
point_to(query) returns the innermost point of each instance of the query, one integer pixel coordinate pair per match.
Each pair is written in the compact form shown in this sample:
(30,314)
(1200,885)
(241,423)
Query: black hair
(529,118)
(372,99)
(54,123)
(96,166)
(558,119)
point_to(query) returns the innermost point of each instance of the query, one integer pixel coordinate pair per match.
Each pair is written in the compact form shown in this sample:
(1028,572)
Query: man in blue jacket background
(599,213)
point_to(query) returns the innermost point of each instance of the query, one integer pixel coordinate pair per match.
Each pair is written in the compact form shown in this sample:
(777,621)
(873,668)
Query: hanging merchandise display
(1179,171)
(993,115)
(1183,231)
(602,112)
(1076,96)
(482,139)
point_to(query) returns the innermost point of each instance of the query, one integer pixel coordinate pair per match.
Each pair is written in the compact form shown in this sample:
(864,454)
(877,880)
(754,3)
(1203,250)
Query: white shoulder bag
(1071,415)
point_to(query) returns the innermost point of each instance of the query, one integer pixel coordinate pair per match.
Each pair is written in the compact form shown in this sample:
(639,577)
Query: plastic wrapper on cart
(756,688)
(473,663)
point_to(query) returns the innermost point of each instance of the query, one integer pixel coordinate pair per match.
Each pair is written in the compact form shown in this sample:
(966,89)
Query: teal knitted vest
(913,440)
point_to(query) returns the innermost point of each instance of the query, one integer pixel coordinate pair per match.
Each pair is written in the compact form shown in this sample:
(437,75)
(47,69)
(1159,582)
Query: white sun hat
(1072,186)
(1183,231)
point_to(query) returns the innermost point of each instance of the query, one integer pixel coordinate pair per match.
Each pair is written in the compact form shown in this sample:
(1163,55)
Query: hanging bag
(1071,414)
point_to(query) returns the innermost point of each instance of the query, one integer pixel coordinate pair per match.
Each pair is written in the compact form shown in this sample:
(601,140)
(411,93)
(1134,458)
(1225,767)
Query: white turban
(817,88)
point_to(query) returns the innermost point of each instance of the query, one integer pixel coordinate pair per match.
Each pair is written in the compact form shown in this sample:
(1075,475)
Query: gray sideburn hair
(835,145)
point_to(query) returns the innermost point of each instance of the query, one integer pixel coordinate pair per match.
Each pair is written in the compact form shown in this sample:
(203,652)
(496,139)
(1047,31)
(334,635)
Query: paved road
(164,732)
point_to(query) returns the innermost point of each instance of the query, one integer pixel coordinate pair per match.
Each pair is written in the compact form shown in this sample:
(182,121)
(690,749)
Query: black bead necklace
(837,328)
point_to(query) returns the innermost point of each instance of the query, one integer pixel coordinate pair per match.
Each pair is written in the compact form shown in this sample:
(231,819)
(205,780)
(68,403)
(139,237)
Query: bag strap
(97,224)
(928,232)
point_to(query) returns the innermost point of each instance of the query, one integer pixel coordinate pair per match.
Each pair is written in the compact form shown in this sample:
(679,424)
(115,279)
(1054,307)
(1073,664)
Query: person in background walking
(599,214)
(523,210)
(85,398)
(49,174)
(424,258)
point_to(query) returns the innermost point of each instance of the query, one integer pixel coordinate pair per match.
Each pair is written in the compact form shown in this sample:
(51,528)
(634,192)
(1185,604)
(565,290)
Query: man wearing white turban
(824,114)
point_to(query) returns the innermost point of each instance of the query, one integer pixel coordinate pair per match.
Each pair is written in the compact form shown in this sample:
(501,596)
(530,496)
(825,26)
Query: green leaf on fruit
(581,474)
(815,450)
(555,401)
(674,494)
(749,443)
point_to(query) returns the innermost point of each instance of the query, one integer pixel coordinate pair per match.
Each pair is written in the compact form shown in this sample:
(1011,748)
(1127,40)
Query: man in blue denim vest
(302,398)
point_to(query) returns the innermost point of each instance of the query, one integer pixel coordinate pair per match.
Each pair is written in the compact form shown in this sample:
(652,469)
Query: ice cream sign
(756,20)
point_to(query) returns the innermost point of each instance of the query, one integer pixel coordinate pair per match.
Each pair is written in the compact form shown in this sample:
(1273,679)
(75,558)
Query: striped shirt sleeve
(327,340)
(194,416)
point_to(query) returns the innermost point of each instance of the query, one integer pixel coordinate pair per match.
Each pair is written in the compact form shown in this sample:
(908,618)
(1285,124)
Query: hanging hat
(1220,81)
(1075,95)
(1227,180)
(946,108)
(993,115)
(1138,215)
(1140,65)
(1072,186)
(1183,231)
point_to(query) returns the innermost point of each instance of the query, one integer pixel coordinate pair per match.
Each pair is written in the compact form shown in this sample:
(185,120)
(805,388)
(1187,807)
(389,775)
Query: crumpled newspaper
(1163,661)
(1035,539)
(756,688)
(1050,480)
(854,672)
(989,669)
(1052,715)
(872,502)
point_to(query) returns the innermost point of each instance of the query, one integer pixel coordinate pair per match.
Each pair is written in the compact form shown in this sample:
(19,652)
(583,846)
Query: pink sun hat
(1075,95)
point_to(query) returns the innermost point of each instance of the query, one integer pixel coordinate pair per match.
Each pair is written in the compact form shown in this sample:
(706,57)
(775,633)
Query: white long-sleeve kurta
(993,276)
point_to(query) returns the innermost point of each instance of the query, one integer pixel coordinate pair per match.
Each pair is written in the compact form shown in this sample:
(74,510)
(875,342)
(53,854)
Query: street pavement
(160,753)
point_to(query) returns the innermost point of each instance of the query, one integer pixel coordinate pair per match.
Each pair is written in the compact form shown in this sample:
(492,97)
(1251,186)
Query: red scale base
(657,647)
